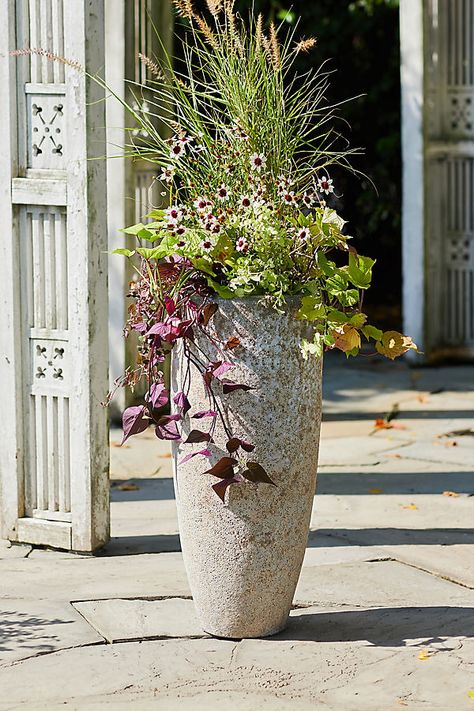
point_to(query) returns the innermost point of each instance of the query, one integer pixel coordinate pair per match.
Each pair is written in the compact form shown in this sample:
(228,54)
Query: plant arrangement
(247,173)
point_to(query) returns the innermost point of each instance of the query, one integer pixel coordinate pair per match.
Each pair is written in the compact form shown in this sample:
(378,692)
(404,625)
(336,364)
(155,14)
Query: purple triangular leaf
(197,436)
(256,473)
(205,453)
(182,402)
(228,386)
(224,468)
(219,368)
(204,413)
(157,395)
(221,487)
(168,431)
(133,421)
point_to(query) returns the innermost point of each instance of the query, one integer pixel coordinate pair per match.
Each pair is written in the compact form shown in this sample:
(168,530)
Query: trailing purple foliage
(177,313)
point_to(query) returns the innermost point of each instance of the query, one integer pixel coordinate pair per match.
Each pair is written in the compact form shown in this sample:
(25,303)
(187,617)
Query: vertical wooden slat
(41,452)
(31,485)
(35,34)
(58,38)
(47,271)
(51,448)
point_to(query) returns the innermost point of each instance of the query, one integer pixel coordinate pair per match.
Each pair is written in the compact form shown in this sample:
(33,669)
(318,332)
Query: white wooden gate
(437,42)
(53,314)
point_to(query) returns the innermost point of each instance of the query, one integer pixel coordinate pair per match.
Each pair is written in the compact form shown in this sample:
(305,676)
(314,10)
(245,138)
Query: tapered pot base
(243,555)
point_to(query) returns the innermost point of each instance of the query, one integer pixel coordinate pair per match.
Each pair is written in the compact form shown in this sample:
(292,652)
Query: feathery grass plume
(152,66)
(185,8)
(215,6)
(259,30)
(305,45)
(205,30)
(48,55)
(274,47)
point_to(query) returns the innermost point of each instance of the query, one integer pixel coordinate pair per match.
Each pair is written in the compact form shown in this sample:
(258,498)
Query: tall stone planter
(243,557)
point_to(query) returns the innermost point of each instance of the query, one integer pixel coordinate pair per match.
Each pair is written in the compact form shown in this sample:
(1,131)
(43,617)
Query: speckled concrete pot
(243,557)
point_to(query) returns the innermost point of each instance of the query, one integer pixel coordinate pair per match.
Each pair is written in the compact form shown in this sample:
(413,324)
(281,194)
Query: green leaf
(358,320)
(156,253)
(328,268)
(311,309)
(223,291)
(134,229)
(156,214)
(125,252)
(204,265)
(359,270)
(350,297)
(336,283)
(372,332)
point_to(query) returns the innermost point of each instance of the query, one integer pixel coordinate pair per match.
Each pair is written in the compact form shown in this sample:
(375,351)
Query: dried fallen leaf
(117,444)
(395,456)
(166,455)
(375,491)
(412,507)
(450,493)
(424,654)
(128,487)
(421,397)
(383,424)
(448,443)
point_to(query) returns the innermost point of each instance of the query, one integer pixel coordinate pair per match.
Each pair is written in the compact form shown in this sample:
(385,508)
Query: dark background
(361,41)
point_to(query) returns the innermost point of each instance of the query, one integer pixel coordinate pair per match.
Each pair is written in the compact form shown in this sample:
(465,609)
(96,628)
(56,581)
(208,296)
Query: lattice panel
(46,123)
(46,30)
(46,275)
(48,484)
(146,192)
(458,243)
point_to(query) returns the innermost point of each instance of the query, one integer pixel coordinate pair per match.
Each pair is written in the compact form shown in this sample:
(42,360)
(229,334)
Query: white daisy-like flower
(216,228)
(168,174)
(242,245)
(177,149)
(308,199)
(245,201)
(181,230)
(184,139)
(207,245)
(304,233)
(257,161)
(174,214)
(201,204)
(223,192)
(289,197)
(325,185)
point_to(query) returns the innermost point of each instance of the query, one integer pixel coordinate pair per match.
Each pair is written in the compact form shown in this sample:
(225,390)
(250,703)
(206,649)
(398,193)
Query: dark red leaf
(232,342)
(208,312)
(182,402)
(221,487)
(197,436)
(233,444)
(228,386)
(247,446)
(256,473)
(207,377)
(170,306)
(204,413)
(205,453)
(133,421)
(224,468)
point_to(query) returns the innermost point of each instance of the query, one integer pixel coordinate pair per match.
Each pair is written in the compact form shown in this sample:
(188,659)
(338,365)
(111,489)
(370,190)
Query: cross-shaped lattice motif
(49,362)
(46,131)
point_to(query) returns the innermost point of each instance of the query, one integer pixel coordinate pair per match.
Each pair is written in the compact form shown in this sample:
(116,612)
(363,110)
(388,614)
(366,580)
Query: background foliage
(361,41)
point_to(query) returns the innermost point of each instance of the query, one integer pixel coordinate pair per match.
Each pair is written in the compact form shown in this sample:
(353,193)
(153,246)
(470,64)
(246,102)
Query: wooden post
(53,319)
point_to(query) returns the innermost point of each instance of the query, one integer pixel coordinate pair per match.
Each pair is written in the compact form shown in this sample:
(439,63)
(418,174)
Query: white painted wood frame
(53,316)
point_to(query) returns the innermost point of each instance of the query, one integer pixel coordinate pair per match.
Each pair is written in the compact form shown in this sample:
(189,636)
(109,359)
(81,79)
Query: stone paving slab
(382,584)
(354,451)
(32,627)
(437,451)
(124,620)
(333,659)
(13,550)
(143,455)
(71,579)
(453,562)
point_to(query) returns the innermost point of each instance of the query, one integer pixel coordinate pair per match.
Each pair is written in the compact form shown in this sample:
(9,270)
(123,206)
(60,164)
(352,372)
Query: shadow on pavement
(383,627)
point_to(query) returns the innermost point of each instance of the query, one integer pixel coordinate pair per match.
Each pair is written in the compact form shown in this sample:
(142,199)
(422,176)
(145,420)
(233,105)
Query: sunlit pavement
(384,611)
